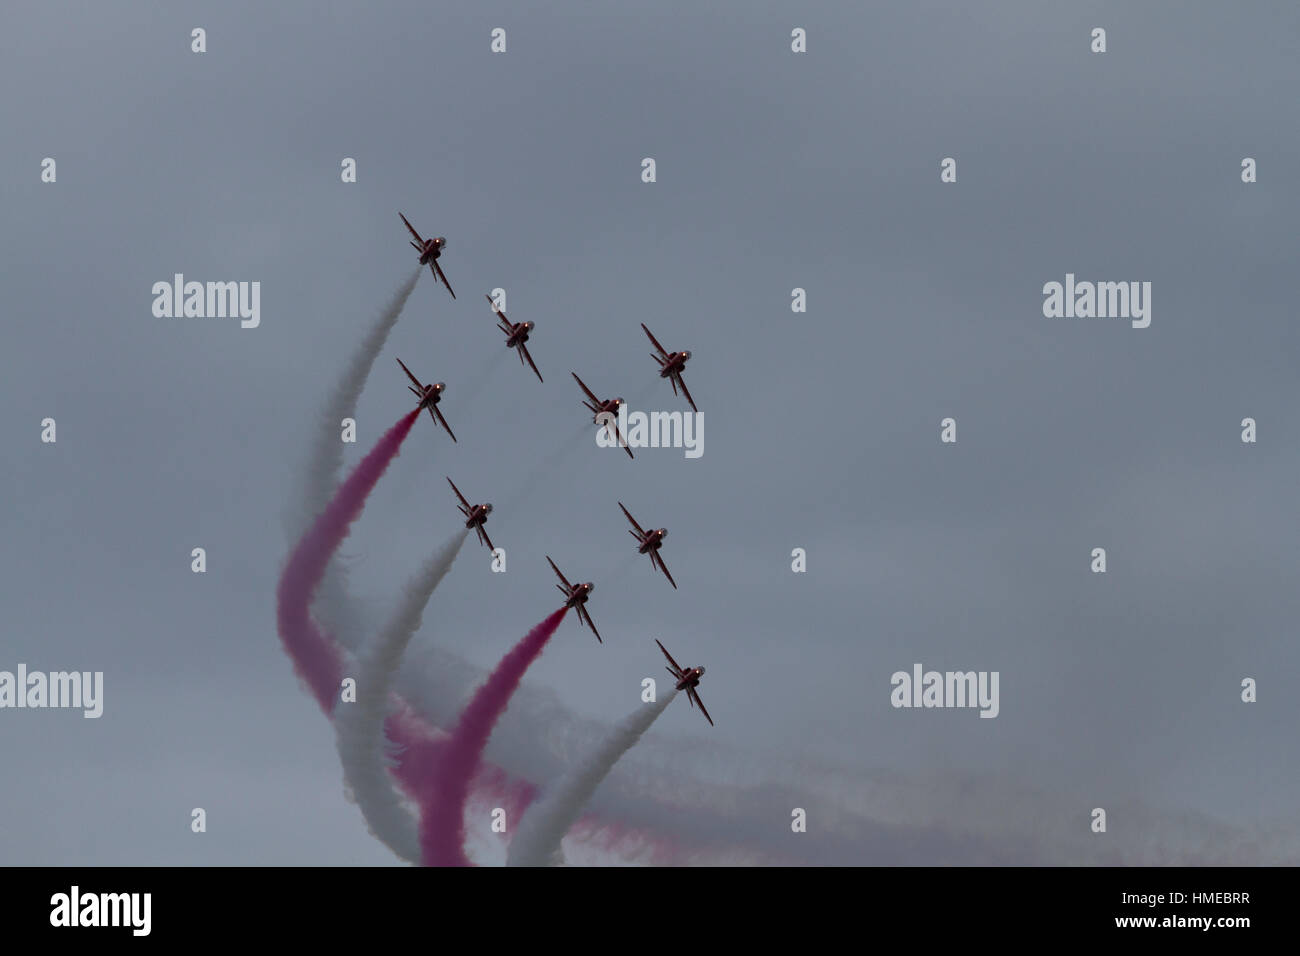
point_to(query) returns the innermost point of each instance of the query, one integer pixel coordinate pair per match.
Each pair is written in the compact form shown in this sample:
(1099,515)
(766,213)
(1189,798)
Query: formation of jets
(671,367)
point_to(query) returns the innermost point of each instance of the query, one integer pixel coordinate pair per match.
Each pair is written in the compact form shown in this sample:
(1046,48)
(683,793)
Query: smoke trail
(325,455)
(561,451)
(718,803)
(442,820)
(480,380)
(362,745)
(537,841)
(306,567)
(631,559)
(317,656)
(422,748)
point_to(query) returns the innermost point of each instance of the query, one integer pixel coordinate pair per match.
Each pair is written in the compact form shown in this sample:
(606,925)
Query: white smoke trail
(719,800)
(478,381)
(537,841)
(325,454)
(561,451)
(359,727)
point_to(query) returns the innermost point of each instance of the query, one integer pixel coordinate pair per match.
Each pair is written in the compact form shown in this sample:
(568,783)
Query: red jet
(429,396)
(516,336)
(649,543)
(671,366)
(687,680)
(609,407)
(475,516)
(576,597)
(430,250)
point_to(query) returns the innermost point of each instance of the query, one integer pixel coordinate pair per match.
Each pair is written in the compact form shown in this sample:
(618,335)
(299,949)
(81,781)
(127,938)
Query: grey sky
(775,170)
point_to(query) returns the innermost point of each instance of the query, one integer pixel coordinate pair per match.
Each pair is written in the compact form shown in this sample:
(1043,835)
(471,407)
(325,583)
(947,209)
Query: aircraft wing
(437,271)
(640,530)
(418,384)
(584,613)
(654,341)
(654,556)
(438,414)
(686,391)
(584,388)
(559,573)
(523,349)
(413,232)
(502,322)
(693,694)
(619,438)
(458,494)
(677,670)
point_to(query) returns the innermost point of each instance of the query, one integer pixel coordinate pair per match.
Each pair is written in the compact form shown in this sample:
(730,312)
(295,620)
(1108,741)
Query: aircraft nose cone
(701,671)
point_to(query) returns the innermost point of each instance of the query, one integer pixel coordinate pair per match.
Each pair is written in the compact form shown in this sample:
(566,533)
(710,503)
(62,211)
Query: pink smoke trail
(422,750)
(420,762)
(442,817)
(315,657)
(319,659)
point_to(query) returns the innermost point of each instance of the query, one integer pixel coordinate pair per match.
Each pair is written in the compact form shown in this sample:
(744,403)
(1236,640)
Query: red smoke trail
(494,786)
(319,660)
(420,764)
(627,841)
(442,816)
(315,657)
